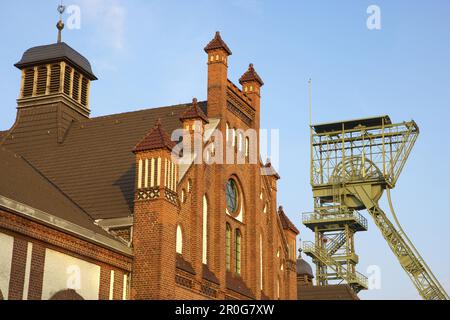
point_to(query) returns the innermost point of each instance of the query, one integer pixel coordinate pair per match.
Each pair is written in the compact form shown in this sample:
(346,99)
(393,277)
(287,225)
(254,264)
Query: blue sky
(150,53)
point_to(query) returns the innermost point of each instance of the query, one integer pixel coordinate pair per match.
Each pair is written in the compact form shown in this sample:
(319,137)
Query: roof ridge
(157,138)
(143,110)
(194,112)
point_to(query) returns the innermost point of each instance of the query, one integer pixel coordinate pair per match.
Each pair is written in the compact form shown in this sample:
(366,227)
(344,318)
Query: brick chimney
(218,53)
(251,85)
(194,121)
(155,218)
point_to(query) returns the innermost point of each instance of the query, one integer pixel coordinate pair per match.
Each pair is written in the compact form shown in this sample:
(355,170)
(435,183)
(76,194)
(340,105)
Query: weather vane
(60,24)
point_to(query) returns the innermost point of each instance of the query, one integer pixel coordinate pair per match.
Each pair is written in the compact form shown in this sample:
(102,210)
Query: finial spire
(300,249)
(60,24)
(251,75)
(217,43)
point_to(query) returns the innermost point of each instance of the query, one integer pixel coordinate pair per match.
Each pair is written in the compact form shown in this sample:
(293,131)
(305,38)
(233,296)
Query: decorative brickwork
(187,241)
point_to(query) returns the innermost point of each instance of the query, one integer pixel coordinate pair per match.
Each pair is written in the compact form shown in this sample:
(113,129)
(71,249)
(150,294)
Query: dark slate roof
(217,43)
(157,138)
(304,268)
(285,222)
(23,183)
(95,165)
(55,52)
(351,124)
(331,292)
(194,112)
(251,75)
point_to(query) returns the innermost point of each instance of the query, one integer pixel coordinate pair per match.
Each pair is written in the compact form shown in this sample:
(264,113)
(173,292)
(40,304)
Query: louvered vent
(41,85)
(84,91)
(76,86)
(28,83)
(55,78)
(67,79)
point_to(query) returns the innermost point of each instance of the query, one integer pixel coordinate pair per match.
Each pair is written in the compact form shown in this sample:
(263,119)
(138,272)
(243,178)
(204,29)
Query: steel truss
(352,163)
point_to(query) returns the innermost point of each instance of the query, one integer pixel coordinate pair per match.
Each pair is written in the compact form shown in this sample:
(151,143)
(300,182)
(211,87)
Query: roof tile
(55,52)
(217,43)
(285,222)
(251,75)
(157,138)
(194,112)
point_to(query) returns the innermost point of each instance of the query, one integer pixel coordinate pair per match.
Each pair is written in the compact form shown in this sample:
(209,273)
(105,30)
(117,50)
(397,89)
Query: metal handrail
(315,216)
(357,277)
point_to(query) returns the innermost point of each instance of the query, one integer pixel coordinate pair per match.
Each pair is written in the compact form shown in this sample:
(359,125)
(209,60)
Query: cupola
(55,73)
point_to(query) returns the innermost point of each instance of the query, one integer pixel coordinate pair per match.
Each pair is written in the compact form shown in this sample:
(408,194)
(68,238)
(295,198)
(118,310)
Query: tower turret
(218,53)
(55,82)
(251,85)
(155,217)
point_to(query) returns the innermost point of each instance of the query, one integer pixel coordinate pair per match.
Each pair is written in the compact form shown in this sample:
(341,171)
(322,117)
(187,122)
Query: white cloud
(110,18)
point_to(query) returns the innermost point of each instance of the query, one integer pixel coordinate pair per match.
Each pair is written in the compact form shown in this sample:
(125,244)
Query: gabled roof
(194,112)
(217,43)
(23,183)
(55,52)
(285,222)
(95,165)
(157,138)
(251,75)
(270,170)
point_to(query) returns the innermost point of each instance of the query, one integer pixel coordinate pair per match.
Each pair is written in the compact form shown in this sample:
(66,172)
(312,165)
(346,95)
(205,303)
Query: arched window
(233,137)
(227,133)
(237,252)
(261,280)
(240,145)
(278,288)
(228,247)
(179,247)
(247,143)
(205,231)
(232,196)
(183,196)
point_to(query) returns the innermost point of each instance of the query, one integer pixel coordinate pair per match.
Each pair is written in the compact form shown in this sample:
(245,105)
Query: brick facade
(262,250)
(156,219)
(42,237)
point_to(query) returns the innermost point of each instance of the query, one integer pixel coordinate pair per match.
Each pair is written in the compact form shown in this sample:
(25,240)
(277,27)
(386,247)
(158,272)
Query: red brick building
(99,208)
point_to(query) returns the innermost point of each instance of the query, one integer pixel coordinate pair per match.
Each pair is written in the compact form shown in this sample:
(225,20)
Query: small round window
(232,196)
